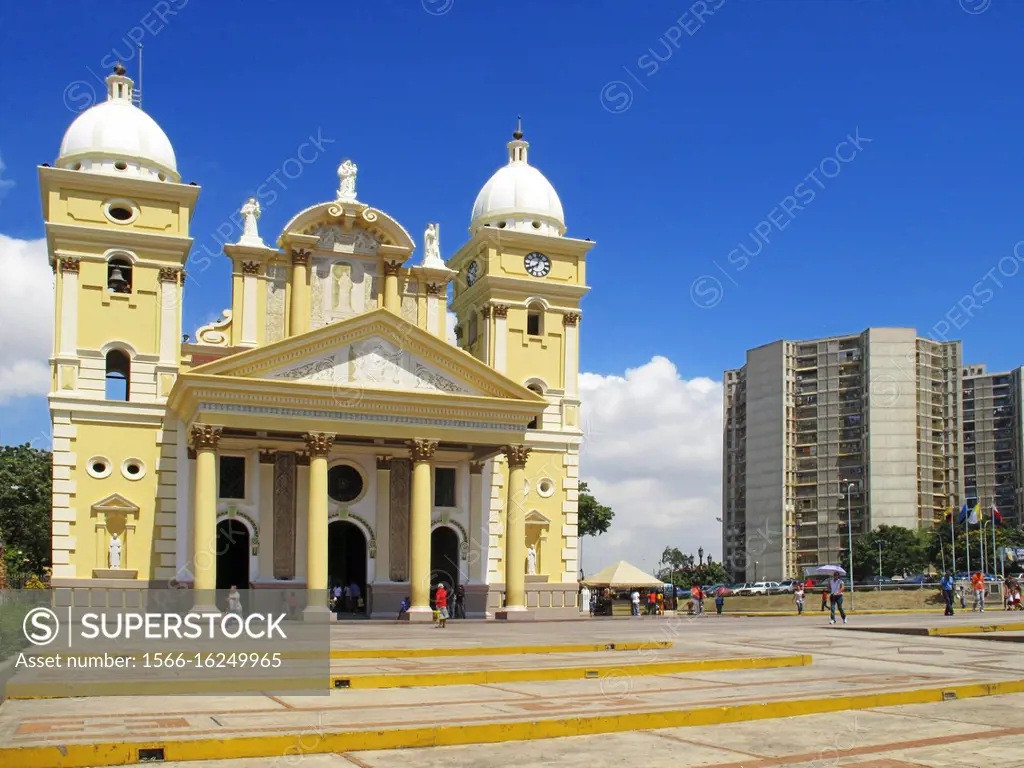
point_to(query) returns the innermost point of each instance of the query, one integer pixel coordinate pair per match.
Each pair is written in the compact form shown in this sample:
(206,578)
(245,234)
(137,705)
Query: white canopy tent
(622,575)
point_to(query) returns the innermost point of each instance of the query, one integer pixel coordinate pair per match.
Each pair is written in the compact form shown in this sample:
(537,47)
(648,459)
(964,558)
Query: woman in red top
(441,601)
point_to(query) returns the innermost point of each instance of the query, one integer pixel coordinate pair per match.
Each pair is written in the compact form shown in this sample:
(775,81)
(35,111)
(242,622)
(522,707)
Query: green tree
(25,501)
(594,518)
(704,575)
(902,550)
(672,561)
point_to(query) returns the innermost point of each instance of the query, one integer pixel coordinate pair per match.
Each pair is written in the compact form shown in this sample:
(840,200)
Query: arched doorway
(232,554)
(444,557)
(346,560)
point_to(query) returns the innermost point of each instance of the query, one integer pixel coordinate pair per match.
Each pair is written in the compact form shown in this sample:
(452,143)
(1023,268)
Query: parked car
(788,586)
(743,589)
(761,588)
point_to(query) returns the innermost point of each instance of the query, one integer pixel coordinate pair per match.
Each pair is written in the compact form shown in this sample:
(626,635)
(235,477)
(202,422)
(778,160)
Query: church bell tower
(117,225)
(517,299)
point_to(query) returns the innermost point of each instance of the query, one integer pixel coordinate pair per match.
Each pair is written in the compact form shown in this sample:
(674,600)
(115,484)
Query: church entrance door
(346,564)
(444,558)
(232,554)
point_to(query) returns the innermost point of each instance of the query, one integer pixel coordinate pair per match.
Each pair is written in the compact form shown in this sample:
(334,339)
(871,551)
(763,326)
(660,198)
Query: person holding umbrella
(836,588)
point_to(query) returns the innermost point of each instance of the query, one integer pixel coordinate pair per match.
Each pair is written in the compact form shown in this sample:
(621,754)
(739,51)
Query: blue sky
(745,103)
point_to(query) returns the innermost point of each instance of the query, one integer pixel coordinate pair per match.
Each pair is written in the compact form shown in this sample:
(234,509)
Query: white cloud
(26,318)
(653,453)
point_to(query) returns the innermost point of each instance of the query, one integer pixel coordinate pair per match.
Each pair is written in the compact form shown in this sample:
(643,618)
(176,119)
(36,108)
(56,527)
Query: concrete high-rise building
(993,408)
(876,414)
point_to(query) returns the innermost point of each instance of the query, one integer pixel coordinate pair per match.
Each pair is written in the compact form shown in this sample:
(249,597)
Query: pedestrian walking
(634,601)
(798,598)
(824,599)
(719,602)
(698,595)
(441,601)
(460,602)
(978,585)
(835,590)
(960,596)
(946,585)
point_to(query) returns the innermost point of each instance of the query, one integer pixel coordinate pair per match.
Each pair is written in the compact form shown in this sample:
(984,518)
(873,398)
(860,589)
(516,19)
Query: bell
(116,281)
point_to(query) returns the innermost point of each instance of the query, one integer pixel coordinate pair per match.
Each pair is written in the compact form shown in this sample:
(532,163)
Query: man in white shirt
(635,597)
(835,591)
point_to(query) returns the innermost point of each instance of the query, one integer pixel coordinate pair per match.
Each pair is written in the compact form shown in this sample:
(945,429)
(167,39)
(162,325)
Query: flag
(996,517)
(942,519)
(974,519)
(963,514)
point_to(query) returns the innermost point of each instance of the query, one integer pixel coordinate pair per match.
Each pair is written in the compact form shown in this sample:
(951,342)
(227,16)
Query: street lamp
(879,568)
(700,554)
(849,532)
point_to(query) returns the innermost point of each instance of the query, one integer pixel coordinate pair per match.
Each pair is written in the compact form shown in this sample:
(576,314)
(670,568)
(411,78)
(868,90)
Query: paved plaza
(772,691)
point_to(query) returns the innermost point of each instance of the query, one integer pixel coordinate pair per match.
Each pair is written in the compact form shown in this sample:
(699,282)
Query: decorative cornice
(384,463)
(182,275)
(169,275)
(422,450)
(267,457)
(300,258)
(485,312)
(204,437)
(516,456)
(500,310)
(392,268)
(433,289)
(69,265)
(318,443)
(476,467)
(250,267)
(570,318)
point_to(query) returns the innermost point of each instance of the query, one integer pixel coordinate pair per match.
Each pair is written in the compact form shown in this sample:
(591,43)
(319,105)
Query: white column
(250,278)
(69,308)
(484,328)
(169,326)
(572,353)
(383,560)
(500,336)
(185,496)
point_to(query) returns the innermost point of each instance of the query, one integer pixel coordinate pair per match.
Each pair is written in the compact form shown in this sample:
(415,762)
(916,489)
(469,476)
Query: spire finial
(119,69)
(518,133)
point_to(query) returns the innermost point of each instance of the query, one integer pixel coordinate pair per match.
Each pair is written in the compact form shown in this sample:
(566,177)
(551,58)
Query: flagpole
(967,522)
(952,536)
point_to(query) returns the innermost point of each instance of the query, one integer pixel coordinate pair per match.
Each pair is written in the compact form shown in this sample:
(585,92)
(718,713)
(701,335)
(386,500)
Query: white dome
(519,197)
(118,138)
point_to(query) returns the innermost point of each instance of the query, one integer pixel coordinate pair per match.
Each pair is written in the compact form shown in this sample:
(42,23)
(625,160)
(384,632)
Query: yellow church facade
(325,432)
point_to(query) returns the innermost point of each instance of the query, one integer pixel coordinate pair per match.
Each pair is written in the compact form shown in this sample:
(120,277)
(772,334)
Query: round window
(344,483)
(133,469)
(545,487)
(98,467)
(121,165)
(119,213)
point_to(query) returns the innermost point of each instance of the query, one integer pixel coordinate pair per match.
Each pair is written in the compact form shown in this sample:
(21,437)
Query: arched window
(535,423)
(535,320)
(119,375)
(119,275)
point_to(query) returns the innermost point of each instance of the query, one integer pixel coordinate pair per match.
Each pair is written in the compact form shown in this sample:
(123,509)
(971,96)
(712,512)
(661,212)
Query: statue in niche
(347,177)
(341,280)
(531,560)
(114,551)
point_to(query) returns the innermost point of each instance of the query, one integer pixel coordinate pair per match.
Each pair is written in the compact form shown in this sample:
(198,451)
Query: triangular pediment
(377,350)
(115,502)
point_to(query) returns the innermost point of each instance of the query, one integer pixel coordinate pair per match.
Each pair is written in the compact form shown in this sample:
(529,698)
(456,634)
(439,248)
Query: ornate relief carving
(433,289)
(250,267)
(318,443)
(169,275)
(284,515)
(516,456)
(392,268)
(183,274)
(318,370)
(275,303)
(500,310)
(268,457)
(369,288)
(216,334)
(485,312)
(68,264)
(428,379)
(300,257)
(204,437)
(570,318)
(333,237)
(422,450)
(410,309)
(401,471)
(384,462)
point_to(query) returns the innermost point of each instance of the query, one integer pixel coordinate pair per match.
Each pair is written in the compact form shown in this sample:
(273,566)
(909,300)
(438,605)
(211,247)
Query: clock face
(471,274)
(537,264)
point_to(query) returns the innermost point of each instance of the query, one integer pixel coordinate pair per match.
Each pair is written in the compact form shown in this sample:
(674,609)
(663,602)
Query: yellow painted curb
(155,687)
(414,653)
(490,676)
(321,742)
(976,629)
